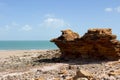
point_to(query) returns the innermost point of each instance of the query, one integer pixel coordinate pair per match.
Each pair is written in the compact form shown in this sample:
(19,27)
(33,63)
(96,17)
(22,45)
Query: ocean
(26,45)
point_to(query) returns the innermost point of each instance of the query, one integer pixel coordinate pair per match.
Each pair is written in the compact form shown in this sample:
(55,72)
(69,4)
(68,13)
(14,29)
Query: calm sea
(26,45)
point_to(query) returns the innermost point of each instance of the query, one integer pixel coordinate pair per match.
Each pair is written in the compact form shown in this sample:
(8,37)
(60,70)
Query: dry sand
(7,53)
(34,64)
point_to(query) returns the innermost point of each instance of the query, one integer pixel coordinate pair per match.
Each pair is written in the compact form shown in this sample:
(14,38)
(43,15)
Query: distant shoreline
(25,49)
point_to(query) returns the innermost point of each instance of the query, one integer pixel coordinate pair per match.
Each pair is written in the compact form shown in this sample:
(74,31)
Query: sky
(44,19)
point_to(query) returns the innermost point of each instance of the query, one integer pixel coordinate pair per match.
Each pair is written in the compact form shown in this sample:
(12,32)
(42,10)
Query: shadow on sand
(77,61)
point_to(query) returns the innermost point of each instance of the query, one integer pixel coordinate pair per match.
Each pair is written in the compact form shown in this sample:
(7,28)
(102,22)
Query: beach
(46,65)
(23,64)
(7,53)
(60,40)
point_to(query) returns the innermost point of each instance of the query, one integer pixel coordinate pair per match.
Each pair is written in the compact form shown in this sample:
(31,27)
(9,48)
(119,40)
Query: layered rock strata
(96,43)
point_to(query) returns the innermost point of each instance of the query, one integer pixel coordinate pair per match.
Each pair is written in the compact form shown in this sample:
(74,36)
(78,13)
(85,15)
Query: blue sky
(43,19)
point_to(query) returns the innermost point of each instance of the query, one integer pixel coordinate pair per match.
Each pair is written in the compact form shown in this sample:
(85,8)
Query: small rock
(114,72)
(69,78)
(56,79)
(82,73)
(112,78)
(63,72)
(39,78)
(82,79)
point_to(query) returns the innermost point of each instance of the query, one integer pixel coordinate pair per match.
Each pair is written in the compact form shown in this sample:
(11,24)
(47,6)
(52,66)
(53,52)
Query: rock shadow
(77,61)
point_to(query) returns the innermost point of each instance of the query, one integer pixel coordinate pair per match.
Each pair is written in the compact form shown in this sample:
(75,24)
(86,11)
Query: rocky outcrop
(67,35)
(96,43)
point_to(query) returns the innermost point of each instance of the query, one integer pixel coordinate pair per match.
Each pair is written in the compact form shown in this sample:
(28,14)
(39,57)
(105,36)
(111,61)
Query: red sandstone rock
(96,43)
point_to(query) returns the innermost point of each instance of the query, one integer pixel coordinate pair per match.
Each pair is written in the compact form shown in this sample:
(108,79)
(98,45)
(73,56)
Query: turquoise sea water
(26,45)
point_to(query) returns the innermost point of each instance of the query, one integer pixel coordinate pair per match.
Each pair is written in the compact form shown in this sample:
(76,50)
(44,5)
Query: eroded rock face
(96,43)
(67,35)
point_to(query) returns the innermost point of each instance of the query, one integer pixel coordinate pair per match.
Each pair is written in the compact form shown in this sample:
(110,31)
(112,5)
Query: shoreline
(27,49)
(8,53)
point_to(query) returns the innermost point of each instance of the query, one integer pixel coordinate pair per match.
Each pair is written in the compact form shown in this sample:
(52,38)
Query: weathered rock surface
(96,43)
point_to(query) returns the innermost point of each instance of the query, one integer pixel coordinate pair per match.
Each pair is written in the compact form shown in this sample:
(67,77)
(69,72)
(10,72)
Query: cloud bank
(49,21)
(53,22)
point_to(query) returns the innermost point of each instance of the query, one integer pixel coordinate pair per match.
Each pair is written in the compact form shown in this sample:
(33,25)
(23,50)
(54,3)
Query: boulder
(96,43)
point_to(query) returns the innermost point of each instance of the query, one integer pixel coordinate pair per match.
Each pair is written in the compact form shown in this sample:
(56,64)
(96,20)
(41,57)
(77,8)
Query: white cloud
(7,27)
(14,24)
(108,9)
(11,26)
(15,27)
(27,28)
(49,15)
(118,9)
(53,22)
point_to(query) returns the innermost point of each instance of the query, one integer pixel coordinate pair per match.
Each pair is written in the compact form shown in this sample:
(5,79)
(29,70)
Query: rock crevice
(96,43)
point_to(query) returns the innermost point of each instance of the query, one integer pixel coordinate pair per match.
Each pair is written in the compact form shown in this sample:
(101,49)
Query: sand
(7,53)
(39,64)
